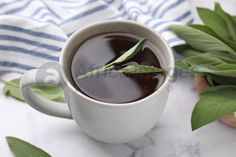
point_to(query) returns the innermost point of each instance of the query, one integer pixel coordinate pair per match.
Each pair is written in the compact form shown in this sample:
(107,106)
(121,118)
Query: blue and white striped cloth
(32,32)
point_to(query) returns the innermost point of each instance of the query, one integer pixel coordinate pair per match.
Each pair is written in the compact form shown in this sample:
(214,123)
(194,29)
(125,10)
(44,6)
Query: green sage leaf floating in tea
(96,71)
(129,54)
(22,148)
(12,88)
(140,69)
(215,103)
(124,57)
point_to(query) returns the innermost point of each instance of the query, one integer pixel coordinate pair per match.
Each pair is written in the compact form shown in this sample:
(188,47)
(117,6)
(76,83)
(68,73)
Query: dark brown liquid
(114,87)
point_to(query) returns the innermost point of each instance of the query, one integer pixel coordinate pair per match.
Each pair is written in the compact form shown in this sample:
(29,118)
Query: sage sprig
(131,69)
(210,50)
(129,54)
(96,71)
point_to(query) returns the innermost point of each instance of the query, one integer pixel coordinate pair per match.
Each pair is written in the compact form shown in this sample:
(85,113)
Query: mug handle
(49,73)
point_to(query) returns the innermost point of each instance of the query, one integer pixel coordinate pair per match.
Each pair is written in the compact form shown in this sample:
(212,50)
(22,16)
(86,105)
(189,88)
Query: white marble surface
(172,136)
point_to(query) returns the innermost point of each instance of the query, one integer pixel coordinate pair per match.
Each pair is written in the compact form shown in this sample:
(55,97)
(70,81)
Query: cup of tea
(112,107)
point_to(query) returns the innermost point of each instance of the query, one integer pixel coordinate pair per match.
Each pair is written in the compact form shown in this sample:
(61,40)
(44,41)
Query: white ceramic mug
(107,122)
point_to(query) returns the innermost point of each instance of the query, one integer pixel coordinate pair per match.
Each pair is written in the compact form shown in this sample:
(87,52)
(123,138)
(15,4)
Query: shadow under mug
(106,122)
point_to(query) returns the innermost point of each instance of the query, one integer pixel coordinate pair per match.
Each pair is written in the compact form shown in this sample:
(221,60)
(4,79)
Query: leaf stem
(96,71)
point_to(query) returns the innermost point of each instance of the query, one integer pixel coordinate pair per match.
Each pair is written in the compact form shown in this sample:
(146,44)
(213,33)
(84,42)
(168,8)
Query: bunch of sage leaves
(210,50)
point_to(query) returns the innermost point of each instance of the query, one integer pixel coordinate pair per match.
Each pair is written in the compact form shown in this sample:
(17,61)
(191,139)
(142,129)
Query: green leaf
(96,71)
(129,54)
(186,51)
(229,20)
(131,69)
(209,31)
(124,57)
(205,29)
(199,40)
(223,80)
(21,148)
(140,69)
(209,80)
(217,63)
(214,103)
(215,22)
(234,17)
(12,89)
(50,92)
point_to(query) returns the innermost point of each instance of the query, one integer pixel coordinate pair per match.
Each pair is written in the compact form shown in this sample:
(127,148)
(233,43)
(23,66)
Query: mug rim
(162,87)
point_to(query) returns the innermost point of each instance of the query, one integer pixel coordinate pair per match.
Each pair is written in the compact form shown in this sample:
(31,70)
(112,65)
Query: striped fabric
(32,32)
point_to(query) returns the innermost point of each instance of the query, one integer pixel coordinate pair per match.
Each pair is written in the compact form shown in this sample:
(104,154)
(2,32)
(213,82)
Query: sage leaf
(12,88)
(186,51)
(222,80)
(209,80)
(231,23)
(50,92)
(129,54)
(216,63)
(234,17)
(140,69)
(209,31)
(21,148)
(96,71)
(130,69)
(124,57)
(215,22)
(214,103)
(199,40)
(205,29)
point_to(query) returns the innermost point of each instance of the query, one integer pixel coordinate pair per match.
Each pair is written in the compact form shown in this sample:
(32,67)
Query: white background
(172,137)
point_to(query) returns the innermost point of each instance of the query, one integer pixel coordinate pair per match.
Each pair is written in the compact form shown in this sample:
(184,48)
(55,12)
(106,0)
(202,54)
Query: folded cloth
(32,32)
